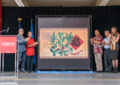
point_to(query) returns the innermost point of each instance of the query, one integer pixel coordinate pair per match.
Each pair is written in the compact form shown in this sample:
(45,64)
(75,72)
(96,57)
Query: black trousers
(107,60)
(29,63)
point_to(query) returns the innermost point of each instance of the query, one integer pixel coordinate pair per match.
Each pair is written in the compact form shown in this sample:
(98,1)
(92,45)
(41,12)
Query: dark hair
(107,31)
(97,30)
(29,31)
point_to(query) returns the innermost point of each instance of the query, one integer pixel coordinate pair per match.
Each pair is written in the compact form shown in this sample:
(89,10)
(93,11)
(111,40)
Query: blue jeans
(22,59)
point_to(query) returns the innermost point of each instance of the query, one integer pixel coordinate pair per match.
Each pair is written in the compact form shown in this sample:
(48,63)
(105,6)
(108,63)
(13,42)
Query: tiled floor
(64,79)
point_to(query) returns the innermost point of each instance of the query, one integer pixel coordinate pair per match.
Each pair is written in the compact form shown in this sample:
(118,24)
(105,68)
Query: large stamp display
(60,43)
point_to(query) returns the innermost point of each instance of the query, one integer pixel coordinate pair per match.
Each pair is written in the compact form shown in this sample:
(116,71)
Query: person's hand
(91,40)
(36,43)
(26,39)
(103,42)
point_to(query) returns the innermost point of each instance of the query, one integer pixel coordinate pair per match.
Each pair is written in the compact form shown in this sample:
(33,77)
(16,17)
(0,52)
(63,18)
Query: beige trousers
(98,61)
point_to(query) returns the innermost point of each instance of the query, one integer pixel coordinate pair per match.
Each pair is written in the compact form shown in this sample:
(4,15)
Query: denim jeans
(22,59)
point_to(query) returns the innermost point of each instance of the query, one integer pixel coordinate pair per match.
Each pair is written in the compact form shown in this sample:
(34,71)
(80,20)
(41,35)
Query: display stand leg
(16,66)
(0,63)
(17,60)
(0,66)
(3,65)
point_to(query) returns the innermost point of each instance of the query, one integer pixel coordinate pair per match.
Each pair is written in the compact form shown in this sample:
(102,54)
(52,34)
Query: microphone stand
(7,30)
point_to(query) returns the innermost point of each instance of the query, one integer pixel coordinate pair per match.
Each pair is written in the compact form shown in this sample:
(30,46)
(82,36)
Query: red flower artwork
(76,42)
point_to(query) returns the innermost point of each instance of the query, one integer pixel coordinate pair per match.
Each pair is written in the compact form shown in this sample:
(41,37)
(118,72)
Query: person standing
(114,43)
(21,42)
(97,50)
(107,58)
(30,52)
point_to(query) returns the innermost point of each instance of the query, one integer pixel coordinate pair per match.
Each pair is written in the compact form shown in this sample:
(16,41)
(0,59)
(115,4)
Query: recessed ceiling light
(19,3)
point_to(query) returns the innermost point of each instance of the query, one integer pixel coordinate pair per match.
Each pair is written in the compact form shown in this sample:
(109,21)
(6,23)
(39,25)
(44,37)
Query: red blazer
(30,50)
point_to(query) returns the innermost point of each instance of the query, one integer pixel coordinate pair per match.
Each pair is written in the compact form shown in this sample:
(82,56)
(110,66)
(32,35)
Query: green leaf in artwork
(59,34)
(63,39)
(70,34)
(66,34)
(59,42)
(56,44)
(51,44)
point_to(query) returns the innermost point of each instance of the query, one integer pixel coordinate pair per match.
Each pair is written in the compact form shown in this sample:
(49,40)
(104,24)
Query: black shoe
(99,71)
(109,71)
(114,70)
(106,71)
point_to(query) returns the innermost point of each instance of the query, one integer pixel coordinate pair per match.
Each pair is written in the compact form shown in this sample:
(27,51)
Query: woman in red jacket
(30,52)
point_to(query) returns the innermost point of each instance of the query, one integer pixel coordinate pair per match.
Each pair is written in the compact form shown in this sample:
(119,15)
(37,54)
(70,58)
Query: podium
(8,44)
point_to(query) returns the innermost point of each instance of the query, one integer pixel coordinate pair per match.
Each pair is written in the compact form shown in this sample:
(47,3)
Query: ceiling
(36,3)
